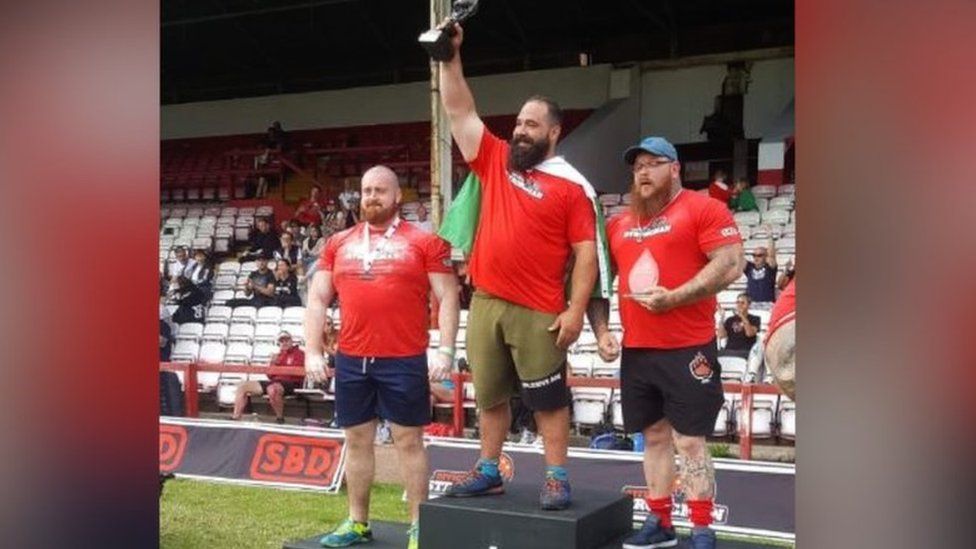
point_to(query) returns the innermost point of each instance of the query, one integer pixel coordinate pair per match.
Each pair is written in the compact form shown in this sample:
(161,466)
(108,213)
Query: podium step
(514,520)
(386,535)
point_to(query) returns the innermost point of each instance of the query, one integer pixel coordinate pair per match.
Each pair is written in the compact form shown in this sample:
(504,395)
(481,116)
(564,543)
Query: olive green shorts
(508,344)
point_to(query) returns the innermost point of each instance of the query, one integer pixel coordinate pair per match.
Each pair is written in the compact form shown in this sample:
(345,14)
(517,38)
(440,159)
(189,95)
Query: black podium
(514,520)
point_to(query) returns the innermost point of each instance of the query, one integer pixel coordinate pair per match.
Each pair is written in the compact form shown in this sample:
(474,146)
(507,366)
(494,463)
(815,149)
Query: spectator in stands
(350,215)
(289,250)
(741,328)
(263,240)
(189,300)
(761,276)
(181,265)
(718,188)
(785,277)
(276,138)
(312,246)
(278,386)
(201,273)
(285,285)
(165,341)
(422,222)
(334,220)
(259,287)
(309,211)
(349,198)
(742,199)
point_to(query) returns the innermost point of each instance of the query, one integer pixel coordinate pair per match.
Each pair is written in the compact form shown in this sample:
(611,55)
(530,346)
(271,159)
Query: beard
(522,159)
(646,207)
(376,214)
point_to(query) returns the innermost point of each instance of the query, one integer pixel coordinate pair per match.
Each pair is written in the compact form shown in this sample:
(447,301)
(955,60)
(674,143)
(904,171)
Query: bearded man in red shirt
(674,250)
(536,220)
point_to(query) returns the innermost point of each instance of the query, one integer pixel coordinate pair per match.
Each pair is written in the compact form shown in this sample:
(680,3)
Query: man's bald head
(380,173)
(380,196)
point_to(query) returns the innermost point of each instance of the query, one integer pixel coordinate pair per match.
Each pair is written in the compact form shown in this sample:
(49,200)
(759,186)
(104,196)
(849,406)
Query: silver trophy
(437,41)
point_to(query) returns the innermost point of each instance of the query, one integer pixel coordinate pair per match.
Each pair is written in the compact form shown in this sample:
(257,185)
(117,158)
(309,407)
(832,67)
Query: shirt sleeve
(327,259)
(490,151)
(716,227)
(581,221)
(755,321)
(437,255)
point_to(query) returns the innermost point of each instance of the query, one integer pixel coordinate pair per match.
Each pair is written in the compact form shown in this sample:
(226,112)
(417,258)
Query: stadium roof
(219,49)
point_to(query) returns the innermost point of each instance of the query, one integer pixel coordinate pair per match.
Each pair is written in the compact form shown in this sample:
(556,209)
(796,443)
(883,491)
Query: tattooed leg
(696,473)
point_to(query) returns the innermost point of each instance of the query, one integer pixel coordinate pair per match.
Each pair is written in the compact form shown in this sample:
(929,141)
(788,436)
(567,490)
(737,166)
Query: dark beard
(379,216)
(523,159)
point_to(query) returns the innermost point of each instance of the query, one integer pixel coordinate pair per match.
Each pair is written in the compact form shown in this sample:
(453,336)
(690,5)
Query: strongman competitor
(674,250)
(780,351)
(535,219)
(383,270)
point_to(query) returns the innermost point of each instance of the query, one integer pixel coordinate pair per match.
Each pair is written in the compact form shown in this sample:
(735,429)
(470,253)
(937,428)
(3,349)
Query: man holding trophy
(535,219)
(675,250)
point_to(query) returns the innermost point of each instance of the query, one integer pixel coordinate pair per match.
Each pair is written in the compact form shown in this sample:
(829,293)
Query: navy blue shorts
(394,389)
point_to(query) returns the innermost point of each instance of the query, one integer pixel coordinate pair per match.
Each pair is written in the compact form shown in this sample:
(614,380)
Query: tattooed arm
(725,265)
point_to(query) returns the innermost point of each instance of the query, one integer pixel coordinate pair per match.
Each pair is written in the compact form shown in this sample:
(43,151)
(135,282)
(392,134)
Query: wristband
(449,351)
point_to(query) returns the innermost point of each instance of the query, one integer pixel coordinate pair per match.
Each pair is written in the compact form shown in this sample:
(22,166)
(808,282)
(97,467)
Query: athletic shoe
(702,538)
(280,420)
(348,533)
(651,535)
(414,533)
(476,483)
(555,495)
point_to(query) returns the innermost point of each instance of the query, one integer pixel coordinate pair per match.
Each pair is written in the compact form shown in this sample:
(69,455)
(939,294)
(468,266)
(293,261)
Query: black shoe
(280,420)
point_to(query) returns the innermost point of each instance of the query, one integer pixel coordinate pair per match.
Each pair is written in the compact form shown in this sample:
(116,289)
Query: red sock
(700,511)
(662,508)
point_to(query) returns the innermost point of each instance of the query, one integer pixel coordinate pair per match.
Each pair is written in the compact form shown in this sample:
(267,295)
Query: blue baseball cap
(658,146)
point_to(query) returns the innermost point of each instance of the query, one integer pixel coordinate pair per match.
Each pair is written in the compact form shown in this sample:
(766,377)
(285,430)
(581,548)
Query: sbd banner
(250,453)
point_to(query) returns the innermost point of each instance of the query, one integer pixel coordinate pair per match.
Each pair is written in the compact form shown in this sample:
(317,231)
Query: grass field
(195,514)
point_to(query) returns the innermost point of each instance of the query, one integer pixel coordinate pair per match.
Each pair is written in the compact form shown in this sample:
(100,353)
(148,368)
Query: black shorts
(683,385)
(287,385)
(395,389)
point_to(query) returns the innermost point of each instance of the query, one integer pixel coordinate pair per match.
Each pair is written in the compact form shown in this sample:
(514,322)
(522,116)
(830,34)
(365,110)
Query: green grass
(194,514)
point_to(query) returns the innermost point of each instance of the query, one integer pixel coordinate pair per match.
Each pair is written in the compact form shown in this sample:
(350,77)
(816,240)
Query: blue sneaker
(555,495)
(702,538)
(348,533)
(476,483)
(651,535)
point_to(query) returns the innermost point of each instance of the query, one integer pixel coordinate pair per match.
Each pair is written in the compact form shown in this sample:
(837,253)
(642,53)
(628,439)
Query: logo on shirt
(729,231)
(527,184)
(395,251)
(659,226)
(700,368)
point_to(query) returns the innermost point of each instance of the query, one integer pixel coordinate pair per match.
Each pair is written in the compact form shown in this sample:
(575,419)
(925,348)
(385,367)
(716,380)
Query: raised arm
(445,288)
(320,294)
(466,127)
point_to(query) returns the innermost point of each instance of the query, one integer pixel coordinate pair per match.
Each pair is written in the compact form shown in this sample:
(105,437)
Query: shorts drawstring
(371,361)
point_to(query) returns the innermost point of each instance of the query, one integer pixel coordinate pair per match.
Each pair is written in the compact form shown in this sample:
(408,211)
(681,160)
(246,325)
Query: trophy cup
(437,41)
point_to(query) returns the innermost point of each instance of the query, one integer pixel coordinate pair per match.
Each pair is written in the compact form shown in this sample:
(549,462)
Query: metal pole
(440,134)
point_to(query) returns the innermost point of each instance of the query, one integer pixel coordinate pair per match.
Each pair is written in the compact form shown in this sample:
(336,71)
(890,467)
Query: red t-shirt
(673,246)
(716,191)
(384,313)
(291,357)
(784,310)
(528,222)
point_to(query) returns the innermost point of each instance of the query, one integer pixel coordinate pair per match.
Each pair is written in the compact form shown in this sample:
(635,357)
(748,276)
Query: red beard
(377,215)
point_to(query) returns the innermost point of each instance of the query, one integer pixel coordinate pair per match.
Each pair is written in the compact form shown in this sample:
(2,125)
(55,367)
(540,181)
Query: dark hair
(745,295)
(283,260)
(555,112)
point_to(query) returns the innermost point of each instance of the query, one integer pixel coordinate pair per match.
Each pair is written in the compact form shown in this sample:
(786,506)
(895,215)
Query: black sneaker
(280,420)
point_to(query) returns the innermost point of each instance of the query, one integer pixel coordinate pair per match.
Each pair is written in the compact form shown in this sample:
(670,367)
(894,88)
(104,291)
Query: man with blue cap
(674,250)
